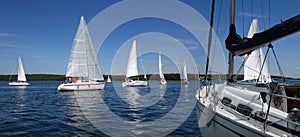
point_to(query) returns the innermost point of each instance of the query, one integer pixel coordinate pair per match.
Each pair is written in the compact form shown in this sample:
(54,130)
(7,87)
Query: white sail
(255,60)
(132,69)
(183,75)
(265,74)
(161,75)
(108,79)
(21,73)
(83,61)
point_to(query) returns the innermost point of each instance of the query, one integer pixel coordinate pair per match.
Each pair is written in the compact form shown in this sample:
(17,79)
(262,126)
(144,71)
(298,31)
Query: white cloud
(190,44)
(298,68)
(192,47)
(7,35)
(9,45)
(255,15)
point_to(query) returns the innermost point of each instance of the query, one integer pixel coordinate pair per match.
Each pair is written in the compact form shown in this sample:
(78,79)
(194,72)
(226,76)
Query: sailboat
(255,61)
(183,74)
(83,72)
(237,109)
(161,75)
(108,79)
(21,81)
(132,75)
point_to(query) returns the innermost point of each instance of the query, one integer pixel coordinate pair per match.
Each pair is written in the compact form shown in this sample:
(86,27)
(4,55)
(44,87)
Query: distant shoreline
(169,77)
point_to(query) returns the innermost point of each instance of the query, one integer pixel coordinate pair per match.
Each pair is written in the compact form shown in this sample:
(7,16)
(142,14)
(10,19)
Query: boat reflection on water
(21,88)
(137,111)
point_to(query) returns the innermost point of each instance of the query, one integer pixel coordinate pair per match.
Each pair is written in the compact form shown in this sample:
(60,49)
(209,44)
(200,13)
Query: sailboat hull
(81,86)
(135,83)
(18,84)
(221,126)
(185,82)
(237,112)
(163,82)
(108,79)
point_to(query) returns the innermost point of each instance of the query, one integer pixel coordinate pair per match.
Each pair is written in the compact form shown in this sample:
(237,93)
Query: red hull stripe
(82,84)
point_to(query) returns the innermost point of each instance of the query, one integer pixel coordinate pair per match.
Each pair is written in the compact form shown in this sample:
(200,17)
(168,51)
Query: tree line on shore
(168,77)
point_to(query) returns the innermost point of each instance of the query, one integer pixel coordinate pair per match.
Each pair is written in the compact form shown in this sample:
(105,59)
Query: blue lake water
(40,110)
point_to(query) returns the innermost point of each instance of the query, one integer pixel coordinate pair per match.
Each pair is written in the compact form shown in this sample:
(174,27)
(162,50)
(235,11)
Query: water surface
(40,110)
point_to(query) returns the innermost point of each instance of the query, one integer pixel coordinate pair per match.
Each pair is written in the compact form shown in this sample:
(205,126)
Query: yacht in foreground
(83,72)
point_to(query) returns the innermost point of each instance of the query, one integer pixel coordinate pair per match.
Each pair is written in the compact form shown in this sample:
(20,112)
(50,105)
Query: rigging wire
(243,18)
(243,65)
(269,13)
(262,14)
(145,76)
(11,74)
(251,10)
(276,9)
(262,66)
(278,65)
(209,38)
(217,30)
(269,26)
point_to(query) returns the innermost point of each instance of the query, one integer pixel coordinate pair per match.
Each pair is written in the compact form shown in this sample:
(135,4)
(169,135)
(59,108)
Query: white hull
(83,63)
(18,84)
(78,86)
(221,126)
(163,82)
(185,82)
(217,119)
(135,83)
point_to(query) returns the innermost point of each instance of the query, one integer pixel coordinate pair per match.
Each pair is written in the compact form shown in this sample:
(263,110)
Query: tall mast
(86,47)
(209,38)
(231,56)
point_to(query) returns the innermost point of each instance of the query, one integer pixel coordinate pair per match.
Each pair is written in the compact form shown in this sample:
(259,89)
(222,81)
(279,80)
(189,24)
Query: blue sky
(42,33)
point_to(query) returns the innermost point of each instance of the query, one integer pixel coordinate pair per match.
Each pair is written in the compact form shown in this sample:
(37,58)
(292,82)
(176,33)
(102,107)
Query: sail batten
(252,66)
(161,75)
(132,69)
(83,60)
(183,75)
(21,73)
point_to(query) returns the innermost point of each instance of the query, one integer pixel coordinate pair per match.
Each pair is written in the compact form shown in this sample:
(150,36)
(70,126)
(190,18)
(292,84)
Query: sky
(42,33)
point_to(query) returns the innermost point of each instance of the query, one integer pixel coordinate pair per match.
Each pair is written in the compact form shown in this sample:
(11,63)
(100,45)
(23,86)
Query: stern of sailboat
(292,91)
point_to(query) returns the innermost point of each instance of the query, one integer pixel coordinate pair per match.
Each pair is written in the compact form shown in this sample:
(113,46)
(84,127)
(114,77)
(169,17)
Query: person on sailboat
(74,79)
(66,81)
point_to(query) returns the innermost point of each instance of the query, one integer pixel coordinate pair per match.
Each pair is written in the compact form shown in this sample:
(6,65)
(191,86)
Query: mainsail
(252,66)
(183,75)
(83,61)
(132,69)
(161,75)
(21,73)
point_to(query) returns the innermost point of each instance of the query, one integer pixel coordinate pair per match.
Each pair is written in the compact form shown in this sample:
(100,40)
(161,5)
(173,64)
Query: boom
(238,46)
